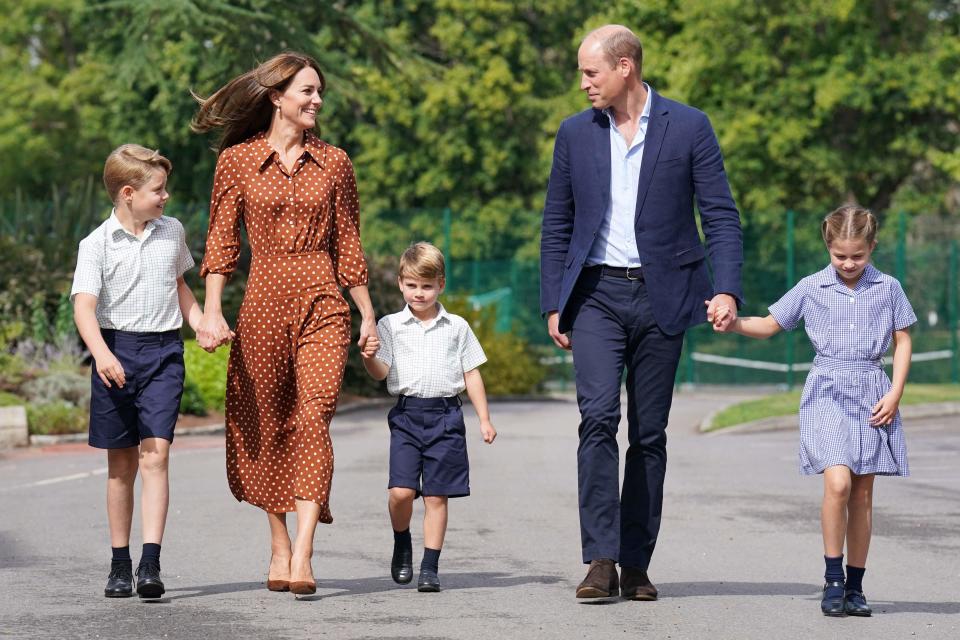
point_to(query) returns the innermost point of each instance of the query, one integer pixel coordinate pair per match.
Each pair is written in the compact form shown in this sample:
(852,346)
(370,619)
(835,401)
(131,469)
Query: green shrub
(207,373)
(8,399)
(12,371)
(512,367)
(56,418)
(58,386)
(192,401)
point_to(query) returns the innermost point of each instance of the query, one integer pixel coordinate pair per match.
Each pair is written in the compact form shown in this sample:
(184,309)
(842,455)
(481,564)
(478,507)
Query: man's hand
(553,328)
(721,321)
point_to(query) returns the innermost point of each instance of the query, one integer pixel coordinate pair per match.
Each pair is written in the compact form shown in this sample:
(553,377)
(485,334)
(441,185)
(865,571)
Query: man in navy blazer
(623,275)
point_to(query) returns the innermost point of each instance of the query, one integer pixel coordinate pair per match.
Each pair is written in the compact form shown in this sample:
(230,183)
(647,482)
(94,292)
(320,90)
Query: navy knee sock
(855,578)
(431,560)
(151,553)
(834,572)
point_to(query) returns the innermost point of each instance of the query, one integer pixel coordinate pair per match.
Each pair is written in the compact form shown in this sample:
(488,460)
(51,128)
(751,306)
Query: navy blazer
(681,160)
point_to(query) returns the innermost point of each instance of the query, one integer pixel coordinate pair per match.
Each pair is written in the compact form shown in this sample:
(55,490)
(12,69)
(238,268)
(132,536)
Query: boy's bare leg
(155,494)
(280,550)
(121,475)
(860,522)
(301,571)
(400,503)
(434,521)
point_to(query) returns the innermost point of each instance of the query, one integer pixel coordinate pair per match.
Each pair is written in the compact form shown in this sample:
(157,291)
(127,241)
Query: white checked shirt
(134,279)
(427,360)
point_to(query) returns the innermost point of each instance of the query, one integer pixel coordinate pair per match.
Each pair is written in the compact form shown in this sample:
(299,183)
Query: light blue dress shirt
(616,242)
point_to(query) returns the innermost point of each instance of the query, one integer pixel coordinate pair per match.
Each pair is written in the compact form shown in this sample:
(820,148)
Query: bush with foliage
(206,382)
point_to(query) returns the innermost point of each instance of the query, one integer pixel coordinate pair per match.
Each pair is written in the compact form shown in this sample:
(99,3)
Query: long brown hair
(242,107)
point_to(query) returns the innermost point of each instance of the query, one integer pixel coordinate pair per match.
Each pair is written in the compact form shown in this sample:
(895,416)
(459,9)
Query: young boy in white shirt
(428,356)
(129,300)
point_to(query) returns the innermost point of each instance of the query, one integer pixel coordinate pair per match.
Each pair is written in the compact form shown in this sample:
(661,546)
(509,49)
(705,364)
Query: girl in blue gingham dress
(850,428)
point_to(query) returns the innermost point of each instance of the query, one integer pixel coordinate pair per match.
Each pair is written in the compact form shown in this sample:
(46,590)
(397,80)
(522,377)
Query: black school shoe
(149,584)
(120,580)
(855,604)
(832,603)
(401,566)
(429,581)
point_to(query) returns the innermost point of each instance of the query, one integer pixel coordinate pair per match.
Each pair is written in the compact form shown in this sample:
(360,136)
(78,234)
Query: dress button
(851,299)
(853,326)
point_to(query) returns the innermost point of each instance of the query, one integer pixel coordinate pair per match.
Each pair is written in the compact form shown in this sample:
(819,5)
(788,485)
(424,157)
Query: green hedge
(206,383)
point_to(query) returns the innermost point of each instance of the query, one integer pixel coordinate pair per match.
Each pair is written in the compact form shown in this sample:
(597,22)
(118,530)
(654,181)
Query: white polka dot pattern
(287,361)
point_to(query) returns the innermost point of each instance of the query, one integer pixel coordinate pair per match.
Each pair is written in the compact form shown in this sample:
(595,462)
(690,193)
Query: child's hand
(370,347)
(109,368)
(487,431)
(720,313)
(885,410)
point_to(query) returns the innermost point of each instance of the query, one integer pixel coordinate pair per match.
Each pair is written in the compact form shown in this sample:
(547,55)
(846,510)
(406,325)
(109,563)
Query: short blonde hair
(849,222)
(422,260)
(131,164)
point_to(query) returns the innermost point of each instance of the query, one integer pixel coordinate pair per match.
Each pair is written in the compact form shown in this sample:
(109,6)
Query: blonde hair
(422,260)
(617,41)
(849,222)
(242,107)
(131,164)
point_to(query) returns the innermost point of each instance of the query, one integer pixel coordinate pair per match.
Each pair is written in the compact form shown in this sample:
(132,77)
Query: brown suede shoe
(602,580)
(635,585)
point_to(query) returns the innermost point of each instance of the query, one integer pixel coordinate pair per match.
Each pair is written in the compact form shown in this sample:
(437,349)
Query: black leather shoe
(429,581)
(601,581)
(855,604)
(401,566)
(120,580)
(832,602)
(149,584)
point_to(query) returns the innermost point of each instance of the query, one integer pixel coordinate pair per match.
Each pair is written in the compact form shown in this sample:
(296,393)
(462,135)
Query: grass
(788,403)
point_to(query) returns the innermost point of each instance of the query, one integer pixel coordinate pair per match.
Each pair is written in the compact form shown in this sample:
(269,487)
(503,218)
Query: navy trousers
(613,329)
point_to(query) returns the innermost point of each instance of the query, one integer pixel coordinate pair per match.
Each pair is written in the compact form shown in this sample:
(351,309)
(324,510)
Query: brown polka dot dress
(292,334)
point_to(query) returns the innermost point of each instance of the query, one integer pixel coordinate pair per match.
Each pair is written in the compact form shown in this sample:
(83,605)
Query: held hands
(369,341)
(213,331)
(721,312)
(885,410)
(487,431)
(109,368)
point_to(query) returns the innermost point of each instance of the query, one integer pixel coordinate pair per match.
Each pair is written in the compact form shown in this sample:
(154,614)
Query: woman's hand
(213,331)
(368,337)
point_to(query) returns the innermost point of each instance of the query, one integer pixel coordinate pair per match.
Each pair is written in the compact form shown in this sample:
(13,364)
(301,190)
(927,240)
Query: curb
(217,428)
(784,423)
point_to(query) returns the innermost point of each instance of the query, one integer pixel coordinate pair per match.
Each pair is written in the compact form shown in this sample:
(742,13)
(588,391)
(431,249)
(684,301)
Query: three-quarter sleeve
(345,248)
(226,212)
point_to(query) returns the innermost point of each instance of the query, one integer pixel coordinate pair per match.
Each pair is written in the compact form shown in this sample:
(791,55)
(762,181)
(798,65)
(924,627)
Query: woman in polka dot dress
(297,198)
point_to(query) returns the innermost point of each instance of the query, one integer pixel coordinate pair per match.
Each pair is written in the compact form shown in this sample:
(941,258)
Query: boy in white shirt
(428,356)
(129,300)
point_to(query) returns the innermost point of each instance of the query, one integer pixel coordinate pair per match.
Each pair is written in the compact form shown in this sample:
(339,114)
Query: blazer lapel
(656,127)
(601,152)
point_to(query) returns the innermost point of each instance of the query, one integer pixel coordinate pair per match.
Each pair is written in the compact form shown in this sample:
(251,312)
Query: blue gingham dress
(851,330)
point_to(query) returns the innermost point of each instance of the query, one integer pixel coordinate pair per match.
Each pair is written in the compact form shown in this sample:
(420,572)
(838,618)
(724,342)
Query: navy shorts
(148,404)
(428,447)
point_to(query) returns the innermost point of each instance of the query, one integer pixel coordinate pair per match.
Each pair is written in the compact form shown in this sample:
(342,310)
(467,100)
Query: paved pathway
(739,555)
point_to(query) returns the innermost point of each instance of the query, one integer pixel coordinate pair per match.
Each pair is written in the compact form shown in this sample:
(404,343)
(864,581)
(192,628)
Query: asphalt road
(739,553)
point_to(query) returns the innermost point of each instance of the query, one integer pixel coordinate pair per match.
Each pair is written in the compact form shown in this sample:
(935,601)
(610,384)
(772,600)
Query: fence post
(953,287)
(901,264)
(447,242)
(791,266)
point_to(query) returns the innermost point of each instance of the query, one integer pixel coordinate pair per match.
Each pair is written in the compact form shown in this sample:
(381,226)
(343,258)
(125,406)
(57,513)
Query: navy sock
(834,572)
(402,538)
(431,560)
(855,578)
(121,554)
(151,553)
